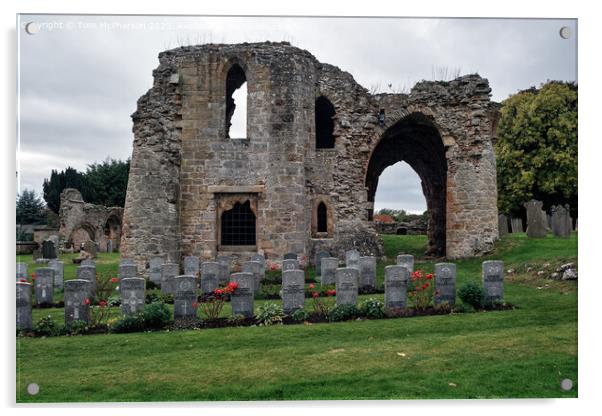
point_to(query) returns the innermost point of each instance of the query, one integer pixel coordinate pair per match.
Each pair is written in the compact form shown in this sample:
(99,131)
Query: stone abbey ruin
(305,176)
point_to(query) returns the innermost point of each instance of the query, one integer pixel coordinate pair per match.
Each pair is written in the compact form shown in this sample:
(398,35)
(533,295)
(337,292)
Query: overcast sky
(80,76)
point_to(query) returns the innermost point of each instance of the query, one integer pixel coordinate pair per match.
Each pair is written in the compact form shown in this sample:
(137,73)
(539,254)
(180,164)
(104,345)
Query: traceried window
(238,225)
(324,123)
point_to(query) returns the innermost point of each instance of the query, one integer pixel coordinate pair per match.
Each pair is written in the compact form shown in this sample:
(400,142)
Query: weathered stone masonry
(186,172)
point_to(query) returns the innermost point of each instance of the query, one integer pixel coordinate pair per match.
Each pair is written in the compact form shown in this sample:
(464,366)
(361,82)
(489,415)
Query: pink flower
(311,285)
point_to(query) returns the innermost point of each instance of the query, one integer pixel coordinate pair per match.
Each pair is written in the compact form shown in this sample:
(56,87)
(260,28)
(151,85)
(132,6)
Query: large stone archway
(416,140)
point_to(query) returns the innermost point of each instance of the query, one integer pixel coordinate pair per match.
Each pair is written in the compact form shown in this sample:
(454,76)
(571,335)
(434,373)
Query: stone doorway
(416,140)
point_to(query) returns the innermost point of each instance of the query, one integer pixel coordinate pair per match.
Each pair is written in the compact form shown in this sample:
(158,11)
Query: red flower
(218,292)
(429,276)
(311,285)
(33,276)
(194,304)
(86,301)
(331,292)
(314,294)
(102,303)
(114,280)
(233,285)
(23,280)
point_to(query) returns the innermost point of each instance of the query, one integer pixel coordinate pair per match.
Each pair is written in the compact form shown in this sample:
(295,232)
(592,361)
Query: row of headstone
(215,273)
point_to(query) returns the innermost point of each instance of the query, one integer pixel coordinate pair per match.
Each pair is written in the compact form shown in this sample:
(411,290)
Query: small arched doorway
(416,140)
(83,232)
(112,231)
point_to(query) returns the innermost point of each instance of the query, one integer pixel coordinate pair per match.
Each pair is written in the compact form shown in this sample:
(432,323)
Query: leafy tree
(108,181)
(68,178)
(537,147)
(102,184)
(30,208)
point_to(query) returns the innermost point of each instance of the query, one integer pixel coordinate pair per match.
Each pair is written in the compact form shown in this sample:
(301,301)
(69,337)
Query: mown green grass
(524,352)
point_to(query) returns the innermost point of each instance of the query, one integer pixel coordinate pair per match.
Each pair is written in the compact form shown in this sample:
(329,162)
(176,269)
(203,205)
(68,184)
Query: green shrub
(269,314)
(167,298)
(372,308)
(464,308)
(343,313)
(152,297)
(114,300)
(46,327)
(78,327)
(472,294)
(156,316)
(269,291)
(130,323)
(300,315)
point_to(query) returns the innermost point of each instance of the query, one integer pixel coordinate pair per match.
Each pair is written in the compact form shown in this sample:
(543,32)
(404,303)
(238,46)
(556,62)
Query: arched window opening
(238,225)
(236,99)
(324,123)
(322,218)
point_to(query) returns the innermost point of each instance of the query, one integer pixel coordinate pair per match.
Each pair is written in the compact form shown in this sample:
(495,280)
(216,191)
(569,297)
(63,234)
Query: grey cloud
(79,86)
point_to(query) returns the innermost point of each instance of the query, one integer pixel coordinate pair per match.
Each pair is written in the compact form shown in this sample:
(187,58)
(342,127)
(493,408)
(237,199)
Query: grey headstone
(36,254)
(128,270)
(396,286)
(22,271)
(516,225)
(131,290)
(502,221)
(169,271)
(224,269)
(290,256)
(347,285)
(352,259)
(24,305)
(88,262)
(90,247)
(318,261)
(254,267)
(261,259)
(185,298)
(290,264)
(536,219)
(191,266)
(293,290)
(329,267)
(368,271)
(59,273)
(87,273)
(561,221)
(406,260)
(445,283)
(242,300)
(493,280)
(110,246)
(123,262)
(155,266)
(49,249)
(209,276)
(76,308)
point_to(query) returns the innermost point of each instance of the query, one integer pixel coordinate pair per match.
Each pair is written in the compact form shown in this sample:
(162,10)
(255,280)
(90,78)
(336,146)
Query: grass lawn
(524,352)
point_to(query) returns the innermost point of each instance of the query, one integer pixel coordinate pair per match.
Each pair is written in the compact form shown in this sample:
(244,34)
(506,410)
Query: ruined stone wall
(186,171)
(80,221)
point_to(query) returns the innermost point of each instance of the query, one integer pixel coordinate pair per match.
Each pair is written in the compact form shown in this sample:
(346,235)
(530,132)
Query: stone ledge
(233,189)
